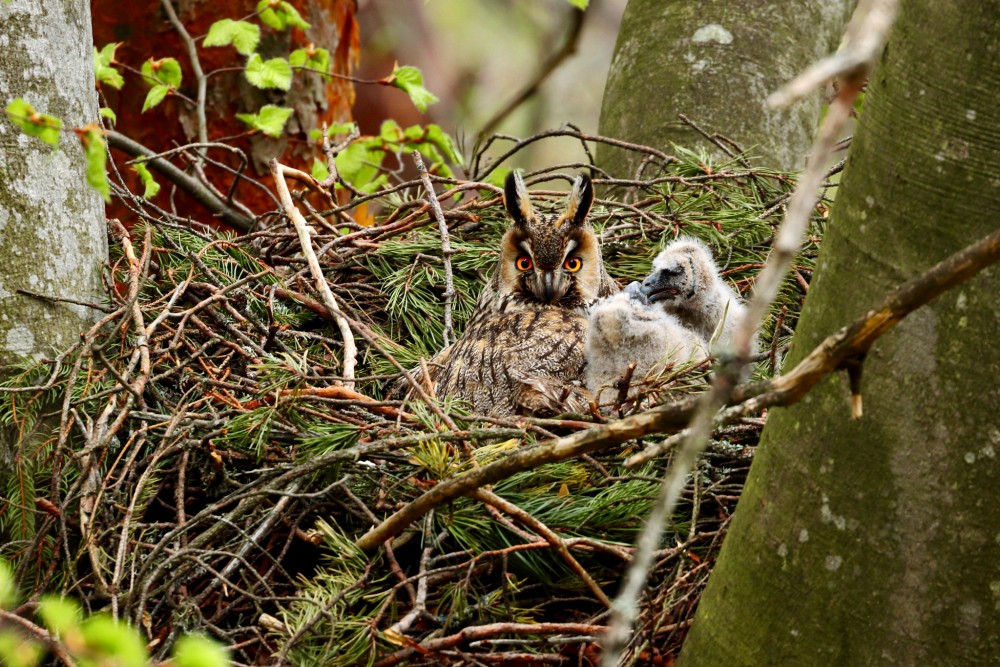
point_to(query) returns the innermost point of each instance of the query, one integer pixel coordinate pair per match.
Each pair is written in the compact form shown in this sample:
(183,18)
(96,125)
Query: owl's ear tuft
(516,200)
(581,198)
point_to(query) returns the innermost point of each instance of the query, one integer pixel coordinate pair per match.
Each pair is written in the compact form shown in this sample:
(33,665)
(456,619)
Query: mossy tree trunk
(877,541)
(716,61)
(52,229)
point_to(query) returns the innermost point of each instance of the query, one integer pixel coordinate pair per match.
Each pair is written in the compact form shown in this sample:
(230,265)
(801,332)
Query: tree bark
(715,62)
(51,221)
(876,541)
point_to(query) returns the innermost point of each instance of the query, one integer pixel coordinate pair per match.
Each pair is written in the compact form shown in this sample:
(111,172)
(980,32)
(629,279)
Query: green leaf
(497,176)
(391,131)
(199,651)
(444,143)
(280,15)
(154,97)
(149,183)
(242,34)
(8,588)
(165,71)
(17,651)
(109,114)
(410,80)
(60,615)
(103,71)
(107,53)
(579,4)
(106,637)
(359,163)
(34,124)
(273,73)
(311,58)
(319,170)
(97,158)
(270,119)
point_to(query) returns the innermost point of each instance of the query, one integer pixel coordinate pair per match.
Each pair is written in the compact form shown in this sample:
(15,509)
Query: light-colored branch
(446,251)
(862,42)
(305,239)
(199,74)
(867,36)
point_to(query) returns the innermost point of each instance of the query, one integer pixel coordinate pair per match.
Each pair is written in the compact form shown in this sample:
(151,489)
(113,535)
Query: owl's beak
(660,286)
(552,286)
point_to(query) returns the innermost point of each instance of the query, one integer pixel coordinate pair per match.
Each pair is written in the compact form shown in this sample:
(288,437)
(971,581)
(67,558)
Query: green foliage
(94,641)
(33,123)
(311,58)
(150,187)
(96,152)
(103,71)
(272,73)
(279,15)
(579,4)
(165,72)
(270,119)
(410,80)
(241,34)
(109,114)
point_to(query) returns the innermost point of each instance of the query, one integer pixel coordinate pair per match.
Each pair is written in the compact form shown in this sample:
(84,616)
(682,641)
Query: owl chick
(627,329)
(522,351)
(685,282)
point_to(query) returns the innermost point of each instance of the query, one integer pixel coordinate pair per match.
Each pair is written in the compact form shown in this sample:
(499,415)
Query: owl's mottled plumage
(685,282)
(626,329)
(522,351)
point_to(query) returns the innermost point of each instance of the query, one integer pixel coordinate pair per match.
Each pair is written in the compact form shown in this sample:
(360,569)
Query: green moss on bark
(876,541)
(51,221)
(715,62)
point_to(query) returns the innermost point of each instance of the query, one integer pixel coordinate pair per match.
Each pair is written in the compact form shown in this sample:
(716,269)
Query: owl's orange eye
(524,263)
(573,264)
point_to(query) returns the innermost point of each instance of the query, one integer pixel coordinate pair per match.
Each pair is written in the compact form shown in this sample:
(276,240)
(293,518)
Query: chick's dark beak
(660,285)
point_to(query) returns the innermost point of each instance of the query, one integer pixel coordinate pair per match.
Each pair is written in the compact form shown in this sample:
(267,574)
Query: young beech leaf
(311,58)
(105,636)
(292,16)
(199,651)
(151,187)
(273,73)
(579,4)
(97,158)
(60,615)
(242,34)
(319,170)
(103,71)
(154,97)
(444,142)
(410,80)
(109,114)
(270,119)
(165,71)
(34,124)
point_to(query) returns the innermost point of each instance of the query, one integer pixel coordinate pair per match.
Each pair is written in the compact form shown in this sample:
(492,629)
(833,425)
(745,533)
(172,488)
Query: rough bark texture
(877,541)
(52,232)
(715,62)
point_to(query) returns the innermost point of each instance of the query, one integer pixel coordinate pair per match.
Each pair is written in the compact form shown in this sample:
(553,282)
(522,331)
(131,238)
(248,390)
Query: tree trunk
(877,541)
(715,62)
(51,221)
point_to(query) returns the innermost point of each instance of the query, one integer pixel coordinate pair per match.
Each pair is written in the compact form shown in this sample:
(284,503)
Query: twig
(801,205)
(302,229)
(547,533)
(863,41)
(550,65)
(199,75)
(446,251)
(191,186)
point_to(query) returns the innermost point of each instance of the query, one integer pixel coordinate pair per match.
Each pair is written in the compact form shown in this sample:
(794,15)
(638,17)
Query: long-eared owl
(522,351)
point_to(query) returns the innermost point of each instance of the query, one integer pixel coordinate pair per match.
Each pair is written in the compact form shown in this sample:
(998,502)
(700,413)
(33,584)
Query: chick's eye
(573,264)
(524,263)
